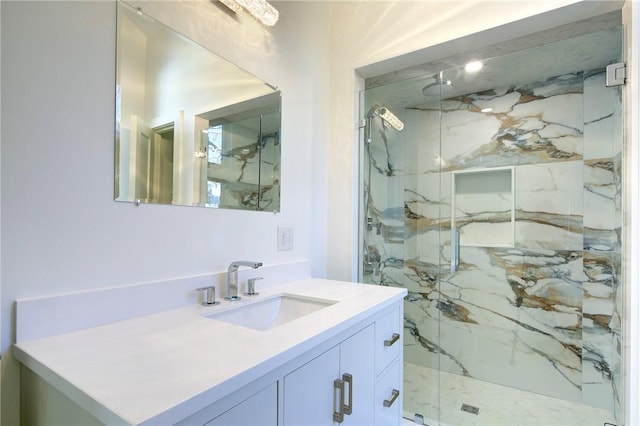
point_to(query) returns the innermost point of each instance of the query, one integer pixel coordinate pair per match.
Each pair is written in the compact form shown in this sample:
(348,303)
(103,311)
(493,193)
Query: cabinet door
(260,409)
(309,392)
(357,361)
(310,397)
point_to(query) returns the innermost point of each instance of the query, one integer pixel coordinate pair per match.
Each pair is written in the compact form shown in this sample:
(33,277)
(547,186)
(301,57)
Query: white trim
(631,324)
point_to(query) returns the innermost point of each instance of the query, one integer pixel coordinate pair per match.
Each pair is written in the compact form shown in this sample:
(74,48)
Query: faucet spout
(232,277)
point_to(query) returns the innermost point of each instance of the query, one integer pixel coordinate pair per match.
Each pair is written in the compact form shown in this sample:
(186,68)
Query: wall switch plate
(285,238)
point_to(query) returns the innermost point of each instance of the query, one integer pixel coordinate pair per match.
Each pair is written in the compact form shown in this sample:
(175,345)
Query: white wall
(61,229)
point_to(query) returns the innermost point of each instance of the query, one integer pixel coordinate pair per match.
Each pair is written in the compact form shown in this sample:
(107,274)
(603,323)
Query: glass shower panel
(529,319)
(497,206)
(399,219)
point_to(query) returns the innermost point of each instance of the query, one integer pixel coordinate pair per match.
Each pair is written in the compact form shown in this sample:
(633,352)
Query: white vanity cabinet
(388,400)
(365,370)
(261,409)
(253,405)
(388,351)
(335,387)
(337,366)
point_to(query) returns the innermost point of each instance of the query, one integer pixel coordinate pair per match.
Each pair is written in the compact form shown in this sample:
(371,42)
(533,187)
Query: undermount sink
(272,312)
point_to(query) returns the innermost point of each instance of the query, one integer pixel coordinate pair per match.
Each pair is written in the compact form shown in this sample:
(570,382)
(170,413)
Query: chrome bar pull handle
(455,249)
(394,395)
(338,414)
(348,379)
(394,338)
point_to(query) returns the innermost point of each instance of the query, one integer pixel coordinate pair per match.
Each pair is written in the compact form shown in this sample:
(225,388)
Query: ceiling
(581,53)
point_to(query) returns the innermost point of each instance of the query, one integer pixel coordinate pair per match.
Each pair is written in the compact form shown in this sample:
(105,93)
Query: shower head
(388,118)
(436,86)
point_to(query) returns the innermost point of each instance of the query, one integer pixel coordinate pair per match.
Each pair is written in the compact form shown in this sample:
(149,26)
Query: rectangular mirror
(192,128)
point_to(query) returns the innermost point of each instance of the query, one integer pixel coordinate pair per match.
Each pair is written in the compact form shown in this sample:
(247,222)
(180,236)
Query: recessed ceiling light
(474,66)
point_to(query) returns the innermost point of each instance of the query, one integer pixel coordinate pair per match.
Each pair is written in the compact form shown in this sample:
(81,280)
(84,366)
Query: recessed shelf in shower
(483,206)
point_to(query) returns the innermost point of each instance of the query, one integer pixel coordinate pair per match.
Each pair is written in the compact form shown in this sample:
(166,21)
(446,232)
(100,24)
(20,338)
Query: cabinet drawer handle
(348,378)
(394,338)
(394,395)
(338,387)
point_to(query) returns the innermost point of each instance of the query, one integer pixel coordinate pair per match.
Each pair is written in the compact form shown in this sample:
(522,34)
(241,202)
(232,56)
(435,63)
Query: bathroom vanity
(314,352)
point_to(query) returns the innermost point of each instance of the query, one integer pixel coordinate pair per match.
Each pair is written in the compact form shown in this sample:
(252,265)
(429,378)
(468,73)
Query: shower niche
(483,207)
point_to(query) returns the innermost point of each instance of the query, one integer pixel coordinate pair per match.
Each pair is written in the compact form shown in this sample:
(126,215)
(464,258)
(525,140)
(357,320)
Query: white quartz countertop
(157,369)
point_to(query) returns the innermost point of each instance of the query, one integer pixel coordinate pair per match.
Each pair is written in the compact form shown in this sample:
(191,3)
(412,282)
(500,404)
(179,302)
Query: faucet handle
(210,295)
(251,286)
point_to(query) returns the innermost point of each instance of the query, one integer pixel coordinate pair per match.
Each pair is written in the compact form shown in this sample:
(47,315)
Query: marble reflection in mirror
(191,128)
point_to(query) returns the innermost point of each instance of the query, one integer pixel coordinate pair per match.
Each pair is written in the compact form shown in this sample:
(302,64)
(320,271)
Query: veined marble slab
(544,315)
(439,396)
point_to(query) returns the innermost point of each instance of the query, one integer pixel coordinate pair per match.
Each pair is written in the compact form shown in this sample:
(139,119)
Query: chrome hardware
(209,296)
(616,74)
(371,223)
(348,378)
(251,286)
(201,152)
(338,415)
(394,338)
(469,409)
(232,277)
(455,249)
(394,395)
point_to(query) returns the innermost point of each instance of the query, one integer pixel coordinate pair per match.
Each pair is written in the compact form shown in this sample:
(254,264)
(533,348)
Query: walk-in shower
(495,200)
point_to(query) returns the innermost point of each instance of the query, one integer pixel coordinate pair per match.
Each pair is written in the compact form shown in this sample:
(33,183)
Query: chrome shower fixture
(388,118)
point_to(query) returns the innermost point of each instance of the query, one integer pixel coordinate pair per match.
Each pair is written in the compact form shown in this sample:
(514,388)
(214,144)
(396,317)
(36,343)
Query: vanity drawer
(388,411)
(388,338)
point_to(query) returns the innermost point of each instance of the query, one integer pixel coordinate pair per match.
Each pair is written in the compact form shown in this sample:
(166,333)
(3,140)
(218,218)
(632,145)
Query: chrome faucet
(232,277)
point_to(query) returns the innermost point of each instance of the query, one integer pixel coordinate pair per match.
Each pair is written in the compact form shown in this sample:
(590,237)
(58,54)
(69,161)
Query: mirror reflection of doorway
(160,161)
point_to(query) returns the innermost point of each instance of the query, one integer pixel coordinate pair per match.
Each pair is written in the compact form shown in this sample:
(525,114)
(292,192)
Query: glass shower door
(497,205)
(400,227)
(530,189)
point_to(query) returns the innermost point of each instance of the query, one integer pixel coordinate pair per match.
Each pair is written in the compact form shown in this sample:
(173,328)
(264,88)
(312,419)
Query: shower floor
(499,405)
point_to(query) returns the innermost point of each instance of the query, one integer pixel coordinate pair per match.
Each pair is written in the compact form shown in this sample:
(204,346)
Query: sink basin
(272,312)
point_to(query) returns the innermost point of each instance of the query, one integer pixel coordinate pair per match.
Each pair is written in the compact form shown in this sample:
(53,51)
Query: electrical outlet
(285,238)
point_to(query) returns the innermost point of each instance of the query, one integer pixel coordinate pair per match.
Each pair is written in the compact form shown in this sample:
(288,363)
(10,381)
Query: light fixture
(473,66)
(487,109)
(233,5)
(259,9)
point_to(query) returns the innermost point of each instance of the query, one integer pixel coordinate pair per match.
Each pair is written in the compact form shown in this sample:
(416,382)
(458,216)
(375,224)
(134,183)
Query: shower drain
(470,409)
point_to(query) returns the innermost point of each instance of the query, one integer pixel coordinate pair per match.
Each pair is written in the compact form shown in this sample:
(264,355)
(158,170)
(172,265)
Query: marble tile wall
(539,314)
(249,173)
